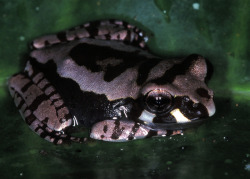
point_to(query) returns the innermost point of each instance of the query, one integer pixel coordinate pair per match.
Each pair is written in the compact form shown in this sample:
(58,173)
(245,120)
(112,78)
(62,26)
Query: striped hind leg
(106,30)
(41,106)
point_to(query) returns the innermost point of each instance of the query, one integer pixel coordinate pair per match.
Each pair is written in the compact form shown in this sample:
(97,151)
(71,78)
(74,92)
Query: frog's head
(180,97)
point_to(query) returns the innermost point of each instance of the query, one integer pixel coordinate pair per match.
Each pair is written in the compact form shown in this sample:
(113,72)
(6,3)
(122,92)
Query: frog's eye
(158,101)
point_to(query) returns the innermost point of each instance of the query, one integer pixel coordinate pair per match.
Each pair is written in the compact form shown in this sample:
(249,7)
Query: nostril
(203,93)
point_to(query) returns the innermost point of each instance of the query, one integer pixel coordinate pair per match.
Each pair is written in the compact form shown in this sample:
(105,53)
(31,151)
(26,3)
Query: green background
(219,30)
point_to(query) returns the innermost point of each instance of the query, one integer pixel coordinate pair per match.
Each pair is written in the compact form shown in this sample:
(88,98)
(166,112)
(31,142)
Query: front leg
(41,106)
(125,130)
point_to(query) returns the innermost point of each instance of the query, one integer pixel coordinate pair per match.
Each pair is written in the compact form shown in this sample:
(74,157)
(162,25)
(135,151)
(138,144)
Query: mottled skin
(99,75)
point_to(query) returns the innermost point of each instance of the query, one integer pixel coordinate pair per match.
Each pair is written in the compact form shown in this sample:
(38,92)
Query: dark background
(219,30)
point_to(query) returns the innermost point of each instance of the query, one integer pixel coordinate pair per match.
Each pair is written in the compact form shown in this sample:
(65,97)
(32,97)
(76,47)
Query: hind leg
(41,106)
(106,30)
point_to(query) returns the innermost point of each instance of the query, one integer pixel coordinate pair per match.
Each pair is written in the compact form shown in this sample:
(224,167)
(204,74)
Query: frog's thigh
(41,108)
(106,30)
(122,131)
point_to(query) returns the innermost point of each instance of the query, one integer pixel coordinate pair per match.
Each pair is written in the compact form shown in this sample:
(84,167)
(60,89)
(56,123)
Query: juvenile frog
(100,75)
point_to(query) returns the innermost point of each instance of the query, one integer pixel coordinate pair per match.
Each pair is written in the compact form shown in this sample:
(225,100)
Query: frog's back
(103,67)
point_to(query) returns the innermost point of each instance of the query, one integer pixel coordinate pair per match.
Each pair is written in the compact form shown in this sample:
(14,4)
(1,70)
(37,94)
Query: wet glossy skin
(99,75)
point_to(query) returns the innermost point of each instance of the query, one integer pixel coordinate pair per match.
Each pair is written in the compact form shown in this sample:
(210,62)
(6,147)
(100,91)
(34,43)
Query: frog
(102,76)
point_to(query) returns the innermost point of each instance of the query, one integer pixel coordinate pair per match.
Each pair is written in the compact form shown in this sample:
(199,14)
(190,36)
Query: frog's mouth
(174,125)
(162,110)
(177,117)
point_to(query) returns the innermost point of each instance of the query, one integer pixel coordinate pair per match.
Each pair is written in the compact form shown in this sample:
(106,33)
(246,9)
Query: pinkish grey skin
(100,76)
(124,130)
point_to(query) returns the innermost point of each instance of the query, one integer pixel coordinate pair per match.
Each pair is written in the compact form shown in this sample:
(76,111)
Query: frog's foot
(41,107)
(123,130)
(105,30)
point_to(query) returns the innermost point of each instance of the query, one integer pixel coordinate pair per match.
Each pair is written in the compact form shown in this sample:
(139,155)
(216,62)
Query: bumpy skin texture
(99,75)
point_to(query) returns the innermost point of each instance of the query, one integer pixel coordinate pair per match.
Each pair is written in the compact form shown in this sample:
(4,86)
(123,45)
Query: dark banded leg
(106,30)
(117,131)
(41,106)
